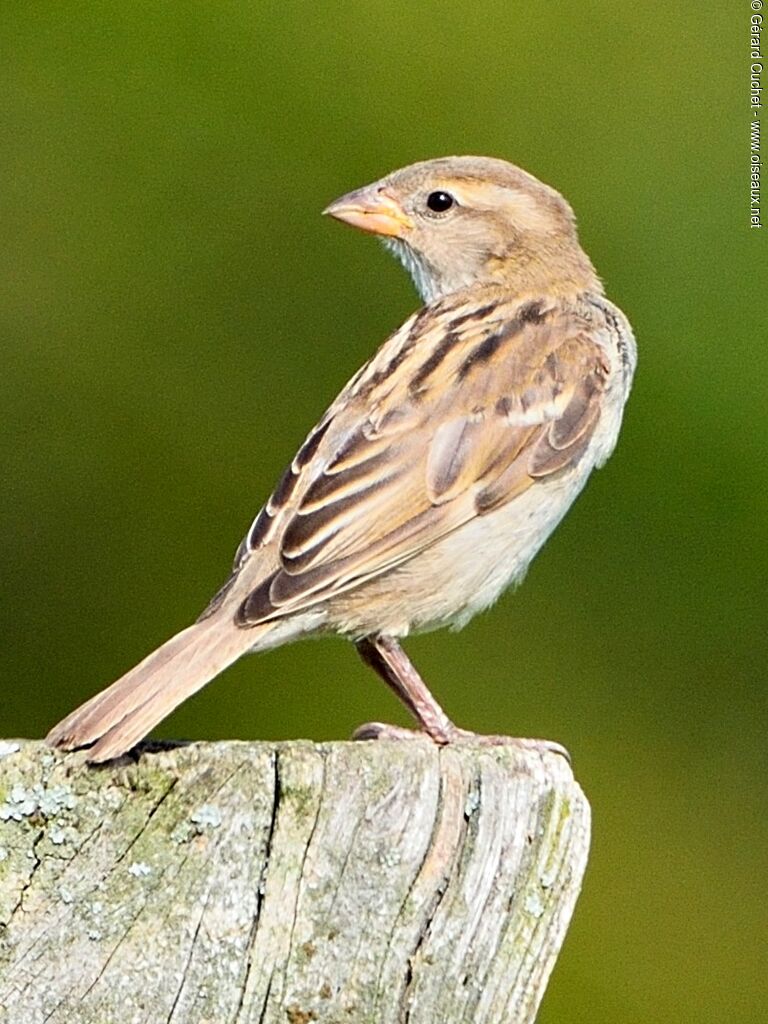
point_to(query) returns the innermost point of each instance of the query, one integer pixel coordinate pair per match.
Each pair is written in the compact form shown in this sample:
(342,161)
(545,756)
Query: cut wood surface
(294,882)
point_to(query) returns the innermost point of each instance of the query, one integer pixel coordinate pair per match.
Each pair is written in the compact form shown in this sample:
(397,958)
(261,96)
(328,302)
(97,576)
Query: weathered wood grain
(385,882)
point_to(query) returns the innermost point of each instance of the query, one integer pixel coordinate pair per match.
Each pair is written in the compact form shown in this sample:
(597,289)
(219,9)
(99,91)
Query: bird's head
(463,221)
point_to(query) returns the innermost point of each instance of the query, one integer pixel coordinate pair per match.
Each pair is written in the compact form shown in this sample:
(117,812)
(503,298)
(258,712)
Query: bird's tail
(118,717)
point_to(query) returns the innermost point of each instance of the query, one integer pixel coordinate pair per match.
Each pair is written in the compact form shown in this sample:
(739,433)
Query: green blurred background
(175,316)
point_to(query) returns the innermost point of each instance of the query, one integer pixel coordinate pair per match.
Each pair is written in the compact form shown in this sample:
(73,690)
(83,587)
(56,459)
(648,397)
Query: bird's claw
(382,731)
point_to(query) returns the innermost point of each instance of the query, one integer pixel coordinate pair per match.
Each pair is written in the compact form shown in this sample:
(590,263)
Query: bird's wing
(464,408)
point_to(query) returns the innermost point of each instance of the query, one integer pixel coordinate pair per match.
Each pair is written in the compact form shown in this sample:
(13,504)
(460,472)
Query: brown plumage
(441,468)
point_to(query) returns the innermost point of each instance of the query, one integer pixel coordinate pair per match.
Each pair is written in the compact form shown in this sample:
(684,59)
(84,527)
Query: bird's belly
(464,572)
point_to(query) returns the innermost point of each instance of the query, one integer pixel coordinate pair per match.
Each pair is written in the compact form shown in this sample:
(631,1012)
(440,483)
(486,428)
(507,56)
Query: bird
(428,486)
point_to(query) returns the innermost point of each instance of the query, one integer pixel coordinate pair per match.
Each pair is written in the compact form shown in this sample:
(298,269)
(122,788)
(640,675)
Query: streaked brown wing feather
(455,416)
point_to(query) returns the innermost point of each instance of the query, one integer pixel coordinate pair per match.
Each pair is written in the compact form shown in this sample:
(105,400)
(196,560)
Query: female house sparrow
(437,474)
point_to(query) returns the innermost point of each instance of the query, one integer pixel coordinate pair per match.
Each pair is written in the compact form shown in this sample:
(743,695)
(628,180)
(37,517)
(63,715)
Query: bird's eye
(439,202)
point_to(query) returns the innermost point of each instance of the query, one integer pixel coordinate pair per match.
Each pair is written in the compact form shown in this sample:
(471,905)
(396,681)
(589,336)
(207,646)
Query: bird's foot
(522,743)
(382,731)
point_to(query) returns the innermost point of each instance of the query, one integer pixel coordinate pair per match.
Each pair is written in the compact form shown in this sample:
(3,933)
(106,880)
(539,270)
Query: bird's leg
(387,658)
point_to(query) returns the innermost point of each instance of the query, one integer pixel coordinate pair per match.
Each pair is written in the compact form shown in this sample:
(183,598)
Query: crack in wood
(304,854)
(265,1004)
(145,824)
(190,954)
(19,905)
(276,794)
(432,908)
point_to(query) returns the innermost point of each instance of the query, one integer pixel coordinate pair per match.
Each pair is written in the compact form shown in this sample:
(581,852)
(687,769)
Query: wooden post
(383,882)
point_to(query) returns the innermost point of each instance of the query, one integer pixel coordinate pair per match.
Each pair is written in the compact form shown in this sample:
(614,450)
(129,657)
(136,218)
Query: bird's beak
(371,209)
